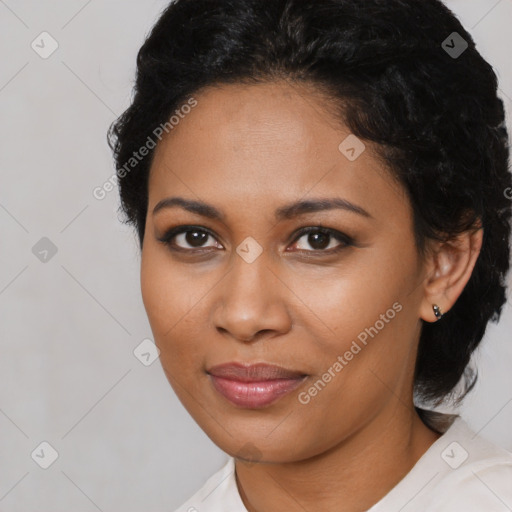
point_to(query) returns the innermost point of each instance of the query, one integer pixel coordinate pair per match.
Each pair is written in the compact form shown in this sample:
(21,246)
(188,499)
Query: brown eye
(187,238)
(194,238)
(322,240)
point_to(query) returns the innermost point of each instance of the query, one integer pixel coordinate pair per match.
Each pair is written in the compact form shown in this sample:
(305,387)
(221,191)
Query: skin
(248,150)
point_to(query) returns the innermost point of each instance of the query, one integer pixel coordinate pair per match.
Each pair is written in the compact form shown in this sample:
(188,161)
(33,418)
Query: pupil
(323,238)
(196,238)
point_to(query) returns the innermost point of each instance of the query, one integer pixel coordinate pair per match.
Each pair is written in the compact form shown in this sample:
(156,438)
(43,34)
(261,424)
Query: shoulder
(484,485)
(478,475)
(218,494)
(460,471)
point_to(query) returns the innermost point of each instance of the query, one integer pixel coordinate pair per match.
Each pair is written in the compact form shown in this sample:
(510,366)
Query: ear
(449,267)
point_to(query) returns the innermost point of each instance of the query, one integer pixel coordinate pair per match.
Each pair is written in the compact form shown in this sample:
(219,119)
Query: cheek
(164,296)
(156,290)
(367,316)
(340,304)
(167,294)
(174,305)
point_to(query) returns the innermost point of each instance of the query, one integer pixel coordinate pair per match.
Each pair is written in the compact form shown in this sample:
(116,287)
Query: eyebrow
(285,212)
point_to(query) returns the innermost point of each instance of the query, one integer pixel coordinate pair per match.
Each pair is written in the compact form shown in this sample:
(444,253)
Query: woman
(320,195)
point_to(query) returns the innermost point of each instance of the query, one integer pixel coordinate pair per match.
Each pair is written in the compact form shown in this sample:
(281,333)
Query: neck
(356,472)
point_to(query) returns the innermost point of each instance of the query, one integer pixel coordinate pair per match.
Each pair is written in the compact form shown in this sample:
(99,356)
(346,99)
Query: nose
(252,302)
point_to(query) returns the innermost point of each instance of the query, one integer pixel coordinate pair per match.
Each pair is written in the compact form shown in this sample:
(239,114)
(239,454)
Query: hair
(435,118)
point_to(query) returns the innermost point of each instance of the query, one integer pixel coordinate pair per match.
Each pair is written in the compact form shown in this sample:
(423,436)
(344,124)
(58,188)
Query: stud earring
(437,311)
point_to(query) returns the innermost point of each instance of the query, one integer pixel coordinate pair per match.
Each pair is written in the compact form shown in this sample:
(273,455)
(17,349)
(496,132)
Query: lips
(254,386)
(253,372)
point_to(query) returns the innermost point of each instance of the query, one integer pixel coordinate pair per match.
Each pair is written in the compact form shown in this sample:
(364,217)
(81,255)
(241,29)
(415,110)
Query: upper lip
(253,372)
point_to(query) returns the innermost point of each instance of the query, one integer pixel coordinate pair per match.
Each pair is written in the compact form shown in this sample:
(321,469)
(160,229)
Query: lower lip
(254,395)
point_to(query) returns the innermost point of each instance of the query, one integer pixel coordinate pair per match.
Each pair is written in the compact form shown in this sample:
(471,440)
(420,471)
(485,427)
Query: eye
(321,240)
(194,239)
(177,238)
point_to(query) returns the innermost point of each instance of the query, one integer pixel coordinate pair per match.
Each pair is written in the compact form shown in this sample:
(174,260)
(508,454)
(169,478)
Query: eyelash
(346,240)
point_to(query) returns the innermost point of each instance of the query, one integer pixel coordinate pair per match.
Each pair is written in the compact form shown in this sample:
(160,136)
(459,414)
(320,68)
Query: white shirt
(460,472)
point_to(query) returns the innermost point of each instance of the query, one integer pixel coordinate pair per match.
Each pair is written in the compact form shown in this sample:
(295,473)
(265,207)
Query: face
(337,305)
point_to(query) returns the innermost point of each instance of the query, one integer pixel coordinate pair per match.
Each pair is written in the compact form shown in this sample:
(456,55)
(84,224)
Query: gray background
(69,325)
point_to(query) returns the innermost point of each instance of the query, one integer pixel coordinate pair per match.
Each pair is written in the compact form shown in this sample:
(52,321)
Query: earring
(437,311)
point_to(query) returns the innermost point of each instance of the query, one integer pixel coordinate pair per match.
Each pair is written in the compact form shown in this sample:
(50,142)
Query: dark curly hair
(401,79)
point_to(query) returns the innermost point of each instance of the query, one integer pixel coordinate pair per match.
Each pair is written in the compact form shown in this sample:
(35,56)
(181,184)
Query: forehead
(252,144)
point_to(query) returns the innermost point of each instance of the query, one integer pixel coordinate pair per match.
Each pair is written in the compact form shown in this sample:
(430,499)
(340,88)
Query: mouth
(254,386)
